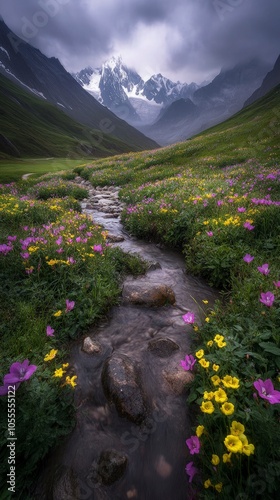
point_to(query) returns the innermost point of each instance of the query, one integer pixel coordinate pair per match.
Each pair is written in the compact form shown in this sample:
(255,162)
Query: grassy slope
(39,129)
(252,133)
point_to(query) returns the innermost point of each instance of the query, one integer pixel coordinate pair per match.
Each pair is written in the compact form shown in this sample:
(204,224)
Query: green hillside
(253,133)
(30,127)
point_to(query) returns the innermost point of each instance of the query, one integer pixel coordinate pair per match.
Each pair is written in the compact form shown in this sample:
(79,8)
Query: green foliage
(50,253)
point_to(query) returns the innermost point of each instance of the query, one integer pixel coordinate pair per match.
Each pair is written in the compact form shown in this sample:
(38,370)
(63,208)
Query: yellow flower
(243,439)
(218,337)
(207,484)
(216,367)
(59,372)
(215,380)
(65,365)
(218,487)
(207,319)
(227,408)
(237,428)
(210,343)
(57,314)
(231,382)
(235,383)
(205,301)
(71,381)
(50,355)
(199,354)
(233,444)
(32,249)
(220,396)
(207,407)
(226,458)
(204,363)
(248,449)
(195,327)
(208,395)
(215,460)
(221,344)
(199,430)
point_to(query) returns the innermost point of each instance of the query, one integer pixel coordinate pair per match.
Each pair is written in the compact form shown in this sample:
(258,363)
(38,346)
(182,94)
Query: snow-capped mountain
(46,78)
(123,90)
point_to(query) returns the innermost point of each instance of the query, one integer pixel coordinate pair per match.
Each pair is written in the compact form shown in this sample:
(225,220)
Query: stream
(132,419)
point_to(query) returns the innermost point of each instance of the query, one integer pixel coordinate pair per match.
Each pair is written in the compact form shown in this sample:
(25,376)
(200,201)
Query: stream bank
(132,419)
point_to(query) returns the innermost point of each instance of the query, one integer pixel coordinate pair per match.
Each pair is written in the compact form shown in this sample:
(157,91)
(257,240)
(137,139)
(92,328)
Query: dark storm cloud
(197,37)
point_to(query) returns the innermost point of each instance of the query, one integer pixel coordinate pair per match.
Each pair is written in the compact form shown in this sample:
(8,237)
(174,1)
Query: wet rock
(111,466)
(152,266)
(177,379)
(114,238)
(122,385)
(66,486)
(148,295)
(163,468)
(163,348)
(91,346)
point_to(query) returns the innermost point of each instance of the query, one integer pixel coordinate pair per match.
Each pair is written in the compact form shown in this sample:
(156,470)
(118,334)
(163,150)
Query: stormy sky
(186,40)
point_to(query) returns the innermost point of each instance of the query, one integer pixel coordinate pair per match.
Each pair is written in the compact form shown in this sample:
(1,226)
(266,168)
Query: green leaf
(270,347)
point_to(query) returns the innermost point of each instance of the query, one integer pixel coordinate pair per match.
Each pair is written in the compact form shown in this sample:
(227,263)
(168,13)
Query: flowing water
(155,449)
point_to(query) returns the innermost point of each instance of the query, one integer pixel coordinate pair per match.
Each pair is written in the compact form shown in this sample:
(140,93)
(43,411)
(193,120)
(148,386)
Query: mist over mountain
(270,81)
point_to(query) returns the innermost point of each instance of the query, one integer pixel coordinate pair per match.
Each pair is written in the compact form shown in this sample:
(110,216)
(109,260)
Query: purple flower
(4,389)
(50,331)
(19,372)
(248,258)
(276,283)
(98,248)
(188,363)
(25,255)
(267,299)
(241,209)
(189,318)
(69,305)
(191,471)
(248,226)
(266,391)
(209,233)
(5,248)
(219,203)
(11,238)
(193,444)
(71,260)
(264,269)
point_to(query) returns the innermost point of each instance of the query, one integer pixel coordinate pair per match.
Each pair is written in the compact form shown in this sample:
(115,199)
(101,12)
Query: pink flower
(71,260)
(219,203)
(248,226)
(248,258)
(266,391)
(276,283)
(69,305)
(241,209)
(193,444)
(189,318)
(209,233)
(50,331)
(267,299)
(191,471)
(98,248)
(264,269)
(188,363)
(25,255)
